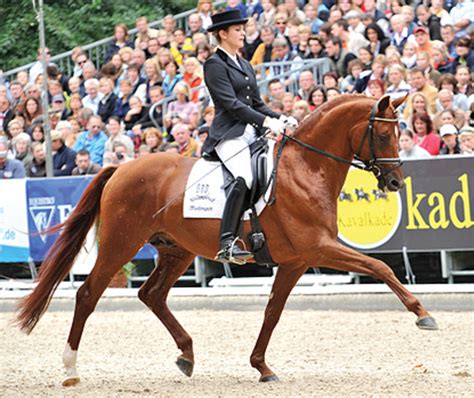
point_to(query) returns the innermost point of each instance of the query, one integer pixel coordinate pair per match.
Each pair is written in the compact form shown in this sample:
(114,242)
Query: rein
(371,165)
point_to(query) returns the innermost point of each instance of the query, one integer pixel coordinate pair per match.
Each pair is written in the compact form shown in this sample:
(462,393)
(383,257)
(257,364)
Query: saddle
(258,158)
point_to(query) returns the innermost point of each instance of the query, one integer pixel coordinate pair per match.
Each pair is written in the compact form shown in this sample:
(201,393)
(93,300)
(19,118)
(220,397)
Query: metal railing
(317,66)
(96,50)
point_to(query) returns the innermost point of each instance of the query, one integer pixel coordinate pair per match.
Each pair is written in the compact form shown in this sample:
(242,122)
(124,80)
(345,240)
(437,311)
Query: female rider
(240,117)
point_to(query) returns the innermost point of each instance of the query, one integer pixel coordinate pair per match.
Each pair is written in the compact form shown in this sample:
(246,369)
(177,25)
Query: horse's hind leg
(173,262)
(343,258)
(113,254)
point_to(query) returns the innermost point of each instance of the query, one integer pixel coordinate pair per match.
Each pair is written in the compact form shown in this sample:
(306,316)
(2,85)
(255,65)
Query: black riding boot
(229,251)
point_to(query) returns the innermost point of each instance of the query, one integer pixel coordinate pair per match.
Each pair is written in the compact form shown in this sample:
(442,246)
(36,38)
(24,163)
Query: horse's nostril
(395,183)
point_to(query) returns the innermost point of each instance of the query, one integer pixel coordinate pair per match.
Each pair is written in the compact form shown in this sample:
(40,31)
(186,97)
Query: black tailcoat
(236,98)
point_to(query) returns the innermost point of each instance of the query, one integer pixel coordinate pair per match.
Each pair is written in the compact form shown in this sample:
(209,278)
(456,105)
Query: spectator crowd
(114,114)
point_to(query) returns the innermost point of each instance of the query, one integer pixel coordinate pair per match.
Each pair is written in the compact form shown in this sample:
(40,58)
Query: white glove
(290,122)
(275,125)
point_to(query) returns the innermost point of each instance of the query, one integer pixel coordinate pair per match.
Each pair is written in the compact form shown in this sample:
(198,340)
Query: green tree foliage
(71,23)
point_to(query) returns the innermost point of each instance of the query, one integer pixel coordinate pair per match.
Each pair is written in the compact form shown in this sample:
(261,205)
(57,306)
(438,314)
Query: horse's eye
(383,138)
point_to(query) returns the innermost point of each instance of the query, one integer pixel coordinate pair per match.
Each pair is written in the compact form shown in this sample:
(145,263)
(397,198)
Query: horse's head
(377,146)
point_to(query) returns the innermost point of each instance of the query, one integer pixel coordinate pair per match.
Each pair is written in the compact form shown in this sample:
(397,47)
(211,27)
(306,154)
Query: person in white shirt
(408,147)
(93,97)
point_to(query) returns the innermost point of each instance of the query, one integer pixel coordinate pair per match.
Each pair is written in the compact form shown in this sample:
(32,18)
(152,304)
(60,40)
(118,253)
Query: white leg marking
(69,360)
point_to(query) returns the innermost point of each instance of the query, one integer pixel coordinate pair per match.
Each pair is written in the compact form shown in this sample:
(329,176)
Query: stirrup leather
(225,255)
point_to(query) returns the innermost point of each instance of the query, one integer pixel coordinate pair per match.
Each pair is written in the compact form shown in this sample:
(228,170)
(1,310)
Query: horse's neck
(330,133)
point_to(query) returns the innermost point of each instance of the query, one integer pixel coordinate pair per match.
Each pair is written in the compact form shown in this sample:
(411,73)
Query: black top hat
(226,18)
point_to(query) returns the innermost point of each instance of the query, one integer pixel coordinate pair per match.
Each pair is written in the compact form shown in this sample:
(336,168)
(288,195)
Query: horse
(301,225)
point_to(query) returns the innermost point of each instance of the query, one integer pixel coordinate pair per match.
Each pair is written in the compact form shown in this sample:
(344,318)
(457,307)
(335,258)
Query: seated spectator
(300,110)
(463,78)
(442,62)
(67,132)
(143,32)
(37,166)
(378,42)
(31,111)
(193,76)
(377,72)
(288,101)
(306,85)
(330,80)
(89,72)
(137,112)
(449,82)
(466,137)
(116,133)
(93,97)
(37,132)
(172,77)
(9,168)
(429,21)
(252,39)
(121,40)
(152,139)
(6,114)
(187,146)
(205,10)
(93,140)
(419,82)
(418,104)
(126,55)
(449,116)
(15,127)
(108,101)
(423,62)
(351,40)
(264,51)
(353,19)
(283,54)
(338,55)
(137,81)
(400,35)
(464,53)
(153,77)
(316,48)
(143,150)
(156,118)
(80,58)
(276,90)
(408,147)
(63,157)
(354,68)
(317,97)
(376,88)
(409,55)
(84,165)
(187,109)
(426,138)
(17,95)
(449,136)
(398,86)
(74,85)
(203,52)
(21,148)
(118,155)
(37,68)
(462,15)
(267,17)
(122,105)
(422,38)
(332,93)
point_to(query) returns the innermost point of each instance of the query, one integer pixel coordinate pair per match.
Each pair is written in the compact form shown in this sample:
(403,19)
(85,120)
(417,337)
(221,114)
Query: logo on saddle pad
(367,217)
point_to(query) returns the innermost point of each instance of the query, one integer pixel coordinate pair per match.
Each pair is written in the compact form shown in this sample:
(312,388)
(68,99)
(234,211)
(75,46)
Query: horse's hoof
(71,381)
(427,323)
(265,379)
(185,365)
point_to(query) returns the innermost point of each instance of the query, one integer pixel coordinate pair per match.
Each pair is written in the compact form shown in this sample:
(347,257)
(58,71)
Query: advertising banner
(14,244)
(434,211)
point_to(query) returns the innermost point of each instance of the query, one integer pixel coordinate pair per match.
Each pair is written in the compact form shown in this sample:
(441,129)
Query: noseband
(371,165)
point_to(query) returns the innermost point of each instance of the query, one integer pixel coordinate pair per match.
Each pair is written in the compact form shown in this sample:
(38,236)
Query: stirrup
(225,255)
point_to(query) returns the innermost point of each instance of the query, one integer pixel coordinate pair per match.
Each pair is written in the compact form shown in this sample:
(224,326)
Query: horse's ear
(383,104)
(399,101)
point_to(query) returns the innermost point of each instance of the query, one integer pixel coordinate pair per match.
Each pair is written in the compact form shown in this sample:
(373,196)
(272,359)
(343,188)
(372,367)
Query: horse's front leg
(172,264)
(285,280)
(343,258)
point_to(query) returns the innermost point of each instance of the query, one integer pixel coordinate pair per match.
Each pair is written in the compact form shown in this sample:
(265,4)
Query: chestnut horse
(300,227)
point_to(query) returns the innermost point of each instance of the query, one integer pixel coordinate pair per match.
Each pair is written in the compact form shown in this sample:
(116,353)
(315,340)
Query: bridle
(371,165)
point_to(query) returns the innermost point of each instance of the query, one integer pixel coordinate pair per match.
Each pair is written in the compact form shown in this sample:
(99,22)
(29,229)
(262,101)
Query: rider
(240,117)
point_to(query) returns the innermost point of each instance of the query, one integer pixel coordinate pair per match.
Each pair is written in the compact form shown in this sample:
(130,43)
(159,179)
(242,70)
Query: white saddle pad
(205,197)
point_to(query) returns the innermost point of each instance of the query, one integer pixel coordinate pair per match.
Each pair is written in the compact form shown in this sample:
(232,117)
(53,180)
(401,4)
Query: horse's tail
(62,254)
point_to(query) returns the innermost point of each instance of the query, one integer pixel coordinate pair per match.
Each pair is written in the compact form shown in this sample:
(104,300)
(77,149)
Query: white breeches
(235,154)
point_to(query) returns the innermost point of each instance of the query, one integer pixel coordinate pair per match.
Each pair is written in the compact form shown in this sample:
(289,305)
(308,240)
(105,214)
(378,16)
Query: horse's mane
(317,114)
